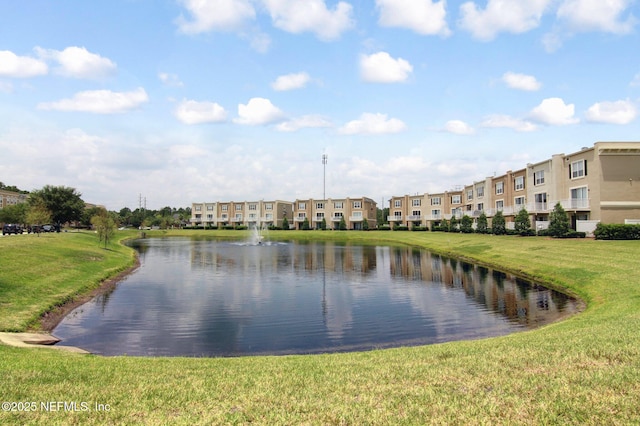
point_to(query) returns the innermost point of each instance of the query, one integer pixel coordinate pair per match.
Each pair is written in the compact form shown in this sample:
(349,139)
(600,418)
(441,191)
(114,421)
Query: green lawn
(584,370)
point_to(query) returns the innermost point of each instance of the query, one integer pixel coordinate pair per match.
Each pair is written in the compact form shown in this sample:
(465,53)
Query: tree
(482,225)
(38,215)
(453,224)
(365,224)
(523,223)
(343,225)
(14,213)
(558,222)
(466,224)
(323,224)
(498,224)
(105,226)
(63,202)
(285,223)
(305,224)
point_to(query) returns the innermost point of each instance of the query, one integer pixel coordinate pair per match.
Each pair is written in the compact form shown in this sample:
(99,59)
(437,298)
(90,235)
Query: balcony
(575,204)
(299,218)
(356,218)
(336,218)
(319,218)
(394,218)
(414,218)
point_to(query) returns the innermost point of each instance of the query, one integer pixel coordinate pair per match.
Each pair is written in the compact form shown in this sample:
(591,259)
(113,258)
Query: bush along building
(600,184)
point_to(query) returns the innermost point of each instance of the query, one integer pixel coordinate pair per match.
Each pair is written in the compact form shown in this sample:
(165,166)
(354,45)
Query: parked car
(48,228)
(11,228)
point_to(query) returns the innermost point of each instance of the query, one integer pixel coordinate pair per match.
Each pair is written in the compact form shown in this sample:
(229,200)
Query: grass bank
(585,370)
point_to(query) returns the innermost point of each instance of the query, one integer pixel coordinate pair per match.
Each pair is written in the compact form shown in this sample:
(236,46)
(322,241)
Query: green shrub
(384,227)
(419,228)
(401,228)
(614,231)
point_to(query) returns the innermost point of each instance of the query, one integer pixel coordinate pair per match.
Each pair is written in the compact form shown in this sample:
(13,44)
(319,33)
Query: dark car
(11,228)
(48,228)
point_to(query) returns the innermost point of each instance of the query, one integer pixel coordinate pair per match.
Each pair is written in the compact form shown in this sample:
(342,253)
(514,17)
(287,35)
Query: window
(416,213)
(579,197)
(518,183)
(238,207)
(357,214)
(252,216)
(210,207)
(337,205)
(435,213)
(198,208)
(268,216)
(268,206)
(357,204)
(480,207)
(456,199)
(224,217)
(320,215)
(253,206)
(416,202)
(538,177)
(320,206)
(238,217)
(541,201)
(500,188)
(480,191)
(397,203)
(225,207)
(469,194)
(397,215)
(499,205)
(436,201)
(210,216)
(578,169)
(519,202)
(338,214)
(302,206)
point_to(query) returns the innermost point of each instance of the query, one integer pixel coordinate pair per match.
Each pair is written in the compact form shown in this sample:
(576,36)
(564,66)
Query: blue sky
(185,101)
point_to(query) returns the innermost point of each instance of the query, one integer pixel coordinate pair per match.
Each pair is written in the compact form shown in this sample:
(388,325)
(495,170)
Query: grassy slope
(585,370)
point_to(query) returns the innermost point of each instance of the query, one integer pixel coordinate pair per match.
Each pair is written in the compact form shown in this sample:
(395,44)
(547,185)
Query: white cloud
(306,121)
(372,124)
(78,62)
(171,80)
(422,16)
(554,111)
(597,15)
(291,81)
(258,111)
(215,15)
(382,68)
(514,16)
(297,16)
(194,112)
(505,121)
(459,127)
(521,81)
(12,65)
(617,112)
(99,101)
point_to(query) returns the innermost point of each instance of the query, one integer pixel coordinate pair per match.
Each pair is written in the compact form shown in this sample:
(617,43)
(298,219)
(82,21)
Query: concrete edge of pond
(36,340)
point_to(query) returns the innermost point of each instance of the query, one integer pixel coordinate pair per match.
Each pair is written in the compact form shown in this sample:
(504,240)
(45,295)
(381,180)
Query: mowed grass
(584,370)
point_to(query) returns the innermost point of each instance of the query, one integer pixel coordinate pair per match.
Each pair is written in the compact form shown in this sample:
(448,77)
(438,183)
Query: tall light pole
(324,177)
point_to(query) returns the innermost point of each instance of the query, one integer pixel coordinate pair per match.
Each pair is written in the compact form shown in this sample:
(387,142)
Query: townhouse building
(11,198)
(354,211)
(596,184)
(259,214)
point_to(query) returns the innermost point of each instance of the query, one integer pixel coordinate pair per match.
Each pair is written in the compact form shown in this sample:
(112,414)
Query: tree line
(60,205)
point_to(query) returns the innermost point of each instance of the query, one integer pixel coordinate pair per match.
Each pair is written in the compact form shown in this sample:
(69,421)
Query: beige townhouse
(259,214)
(357,213)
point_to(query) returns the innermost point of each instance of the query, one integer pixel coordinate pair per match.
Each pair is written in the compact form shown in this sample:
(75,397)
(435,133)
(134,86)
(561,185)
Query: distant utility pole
(324,176)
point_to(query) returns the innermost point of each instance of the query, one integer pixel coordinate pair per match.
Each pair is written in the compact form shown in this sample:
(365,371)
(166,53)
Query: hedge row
(614,231)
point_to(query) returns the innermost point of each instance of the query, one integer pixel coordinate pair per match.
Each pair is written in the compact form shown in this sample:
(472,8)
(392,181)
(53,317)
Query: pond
(207,297)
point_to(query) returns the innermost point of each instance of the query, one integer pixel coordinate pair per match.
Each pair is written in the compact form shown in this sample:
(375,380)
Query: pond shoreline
(50,319)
